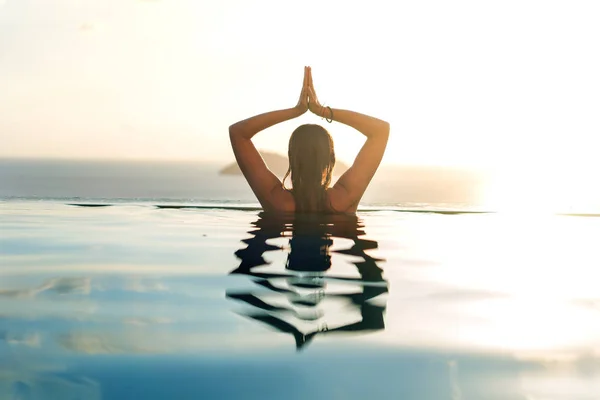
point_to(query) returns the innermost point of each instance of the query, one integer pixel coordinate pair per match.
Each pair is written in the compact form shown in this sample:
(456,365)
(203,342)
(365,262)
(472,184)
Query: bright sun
(525,191)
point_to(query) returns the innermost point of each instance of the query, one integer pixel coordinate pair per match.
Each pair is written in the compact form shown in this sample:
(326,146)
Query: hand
(313,102)
(302,105)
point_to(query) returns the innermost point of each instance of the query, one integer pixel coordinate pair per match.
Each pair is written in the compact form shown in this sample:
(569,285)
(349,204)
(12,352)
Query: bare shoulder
(283,200)
(340,201)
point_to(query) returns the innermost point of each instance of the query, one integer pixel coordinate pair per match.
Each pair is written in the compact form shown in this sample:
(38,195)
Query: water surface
(136,301)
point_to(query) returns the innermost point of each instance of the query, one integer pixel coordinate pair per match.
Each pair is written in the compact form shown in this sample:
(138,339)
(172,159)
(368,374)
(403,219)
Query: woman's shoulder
(337,201)
(283,201)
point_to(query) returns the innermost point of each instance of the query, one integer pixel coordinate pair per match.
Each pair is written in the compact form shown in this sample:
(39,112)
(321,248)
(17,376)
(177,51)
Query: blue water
(146,280)
(196,183)
(136,301)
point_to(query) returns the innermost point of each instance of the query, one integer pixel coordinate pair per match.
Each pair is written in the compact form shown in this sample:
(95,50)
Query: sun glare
(531,191)
(521,276)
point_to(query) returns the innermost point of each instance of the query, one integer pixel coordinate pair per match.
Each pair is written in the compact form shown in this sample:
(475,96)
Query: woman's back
(333,202)
(311,156)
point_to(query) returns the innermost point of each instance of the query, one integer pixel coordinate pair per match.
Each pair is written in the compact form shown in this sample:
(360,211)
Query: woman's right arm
(355,180)
(351,186)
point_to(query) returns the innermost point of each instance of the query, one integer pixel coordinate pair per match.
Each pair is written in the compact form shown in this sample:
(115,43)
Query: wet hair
(311,161)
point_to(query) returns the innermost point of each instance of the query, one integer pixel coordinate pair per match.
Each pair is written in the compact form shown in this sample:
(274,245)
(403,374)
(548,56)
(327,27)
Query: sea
(138,280)
(202,183)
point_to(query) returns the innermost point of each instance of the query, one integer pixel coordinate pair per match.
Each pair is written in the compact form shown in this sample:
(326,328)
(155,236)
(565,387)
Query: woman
(311,157)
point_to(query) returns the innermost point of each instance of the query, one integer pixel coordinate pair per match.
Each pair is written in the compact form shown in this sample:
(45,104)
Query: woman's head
(311,157)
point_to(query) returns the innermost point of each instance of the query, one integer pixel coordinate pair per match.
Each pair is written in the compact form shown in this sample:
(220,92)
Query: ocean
(152,281)
(201,183)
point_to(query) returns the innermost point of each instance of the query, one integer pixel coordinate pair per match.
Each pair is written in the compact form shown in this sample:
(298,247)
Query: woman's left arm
(262,181)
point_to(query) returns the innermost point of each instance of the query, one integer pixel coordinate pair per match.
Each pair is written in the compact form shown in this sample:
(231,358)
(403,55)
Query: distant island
(278,164)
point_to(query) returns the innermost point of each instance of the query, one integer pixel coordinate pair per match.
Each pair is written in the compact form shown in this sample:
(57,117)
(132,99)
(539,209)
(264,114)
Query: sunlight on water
(94,301)
(526,192)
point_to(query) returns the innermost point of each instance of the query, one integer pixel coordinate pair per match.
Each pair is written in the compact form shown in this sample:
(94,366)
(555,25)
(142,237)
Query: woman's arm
(353,183)
(355,180)
(262,181)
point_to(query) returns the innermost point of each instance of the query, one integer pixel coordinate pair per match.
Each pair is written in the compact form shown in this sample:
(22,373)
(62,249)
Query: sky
(511,85)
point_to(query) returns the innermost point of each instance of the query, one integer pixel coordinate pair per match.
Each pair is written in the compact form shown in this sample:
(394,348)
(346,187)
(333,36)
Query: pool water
(137,301)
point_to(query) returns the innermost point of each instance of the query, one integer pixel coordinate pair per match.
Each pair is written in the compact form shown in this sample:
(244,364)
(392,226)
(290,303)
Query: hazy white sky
(479,83)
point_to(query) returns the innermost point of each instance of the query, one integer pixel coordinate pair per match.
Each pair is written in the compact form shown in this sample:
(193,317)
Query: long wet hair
(311,161)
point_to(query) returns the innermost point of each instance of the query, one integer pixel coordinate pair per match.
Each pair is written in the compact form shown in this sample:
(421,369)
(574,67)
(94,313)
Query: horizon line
(215,162)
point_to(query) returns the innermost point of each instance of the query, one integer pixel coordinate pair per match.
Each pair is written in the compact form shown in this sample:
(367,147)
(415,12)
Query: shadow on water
(294,301)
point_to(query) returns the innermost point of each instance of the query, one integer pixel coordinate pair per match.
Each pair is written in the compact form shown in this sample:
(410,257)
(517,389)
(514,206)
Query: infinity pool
(138,301)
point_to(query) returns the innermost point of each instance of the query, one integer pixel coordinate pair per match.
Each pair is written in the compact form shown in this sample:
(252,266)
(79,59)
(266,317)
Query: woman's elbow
(234,132)
(385,129)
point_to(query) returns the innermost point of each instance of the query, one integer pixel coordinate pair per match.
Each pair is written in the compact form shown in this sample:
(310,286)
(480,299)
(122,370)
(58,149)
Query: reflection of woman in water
(303,286)
(311,158)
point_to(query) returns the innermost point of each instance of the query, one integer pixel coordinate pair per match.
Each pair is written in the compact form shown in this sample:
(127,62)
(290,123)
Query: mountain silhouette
(277,163)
